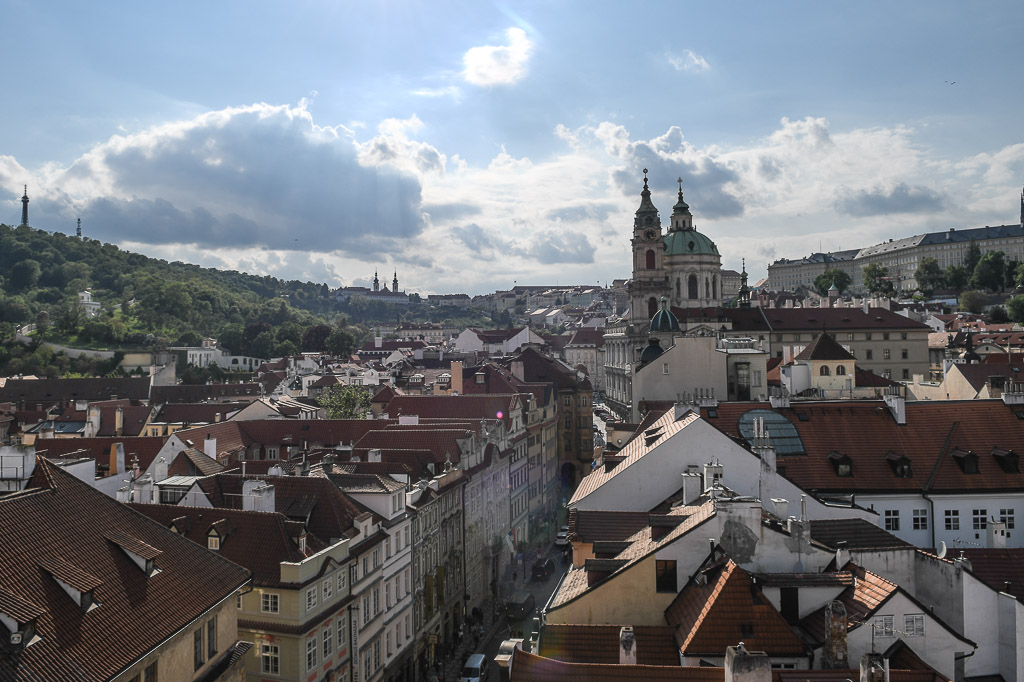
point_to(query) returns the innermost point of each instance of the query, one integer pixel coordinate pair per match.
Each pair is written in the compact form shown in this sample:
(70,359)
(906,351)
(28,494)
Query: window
(310,654)
(567,401)
(886,354)
(665,578)
(883,626)
(311,598)
(328,640)
(906,373)
(867,336)
(376,653)
(366,609)
(270,659)
(885,336)
(903,336)
(197,648)
(211,637)
(328,589)
(892,519)
(868,354)
(903,353)
(920,519)
(952,519)
(664,368)
(341,581)
(342,630)
(979,516)
(213,543)
(238,602)
(151,672)
(824,371)
(1006,516)
(840,370)
(913,624)
(796,337)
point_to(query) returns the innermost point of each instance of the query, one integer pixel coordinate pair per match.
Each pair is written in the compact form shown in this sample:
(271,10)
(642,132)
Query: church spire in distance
(24,208)
(647,215)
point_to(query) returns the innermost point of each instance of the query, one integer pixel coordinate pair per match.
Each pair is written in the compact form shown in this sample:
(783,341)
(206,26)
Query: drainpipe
(931,513)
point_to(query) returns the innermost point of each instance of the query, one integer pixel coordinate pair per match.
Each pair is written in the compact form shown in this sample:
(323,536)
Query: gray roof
(948,237)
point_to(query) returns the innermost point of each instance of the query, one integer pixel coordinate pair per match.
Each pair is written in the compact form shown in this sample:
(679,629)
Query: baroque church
(677,268)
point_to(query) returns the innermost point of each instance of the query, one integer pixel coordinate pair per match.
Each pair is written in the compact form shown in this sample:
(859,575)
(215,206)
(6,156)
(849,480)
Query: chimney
(456,376)
(216,417)
(835,651)
(327,464)
(874,668)
(373,455)
(119,421)
(627,646)
(780,507)
(161,469)
(691,486)
(143,490)
(408,419)
(996,534)
(210,447)
(378,341)
(896,403)
(746,666)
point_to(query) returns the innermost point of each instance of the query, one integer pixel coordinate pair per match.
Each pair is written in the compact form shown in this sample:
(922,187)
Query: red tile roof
(61,520)
(192,462)
(837,319)
(133,419)
(587,336)
(824,347)
(861,600)
(197,393)
(725,609)
(527,667)
(193,413)
(997,567)
(655,644)
(234,435)
(865,432)
(258,541)
(479,406)
(145,448)
(440,443)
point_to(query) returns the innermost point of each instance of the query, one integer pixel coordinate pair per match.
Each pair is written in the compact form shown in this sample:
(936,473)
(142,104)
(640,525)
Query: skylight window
(783,435)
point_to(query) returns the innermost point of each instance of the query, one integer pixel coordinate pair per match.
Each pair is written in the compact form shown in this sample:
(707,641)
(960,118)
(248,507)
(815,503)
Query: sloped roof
(327,512)
(655,644)
(589,526)
(475,406)
(855,533)
(710,617)
(865,432)
(527,667)
(441,443)
(233,435)
(587,336)
(61,518)
(134,418)
(824,347)
(664,428)
(191,462)
(1000,569)
(257,541)
(189,413)
(837,319)
(868,592)
(145,448)
(197,393)
(49,391)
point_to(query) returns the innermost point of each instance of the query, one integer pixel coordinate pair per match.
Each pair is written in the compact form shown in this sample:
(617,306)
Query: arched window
(691,287)
(714,286)
(824,371)
(707,288)
(652,307)
(650,259)
(840,370)
(679,286)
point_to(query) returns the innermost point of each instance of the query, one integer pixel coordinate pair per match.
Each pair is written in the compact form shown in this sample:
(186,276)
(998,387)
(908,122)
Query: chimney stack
(874,668)
(746,666)
(627,646)
(835,652)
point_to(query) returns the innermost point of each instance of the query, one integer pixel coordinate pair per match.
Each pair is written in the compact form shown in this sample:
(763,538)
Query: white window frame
(312,648)
(913,624)
(327,587)
(270,659)
(883,626)
(270,603)
(311,598)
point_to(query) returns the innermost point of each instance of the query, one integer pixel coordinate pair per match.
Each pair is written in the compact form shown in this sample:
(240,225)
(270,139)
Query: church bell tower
(649,282)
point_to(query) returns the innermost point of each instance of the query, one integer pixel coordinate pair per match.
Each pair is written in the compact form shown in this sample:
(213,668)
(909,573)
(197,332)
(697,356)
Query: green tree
(340,343)
(824,281)
(1015,307)
(973,301)
(989,272)
(973,256)
(876,279)
(1010,272)
(956,277)
(24,275)
(263,345)
(345,402)
(315,338)
(997,314)
(929,276)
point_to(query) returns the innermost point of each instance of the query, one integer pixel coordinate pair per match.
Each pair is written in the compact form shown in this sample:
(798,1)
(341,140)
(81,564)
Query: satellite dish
(942,549)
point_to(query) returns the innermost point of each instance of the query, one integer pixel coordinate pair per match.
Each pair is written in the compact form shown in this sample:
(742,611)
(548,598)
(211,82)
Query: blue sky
(471,145)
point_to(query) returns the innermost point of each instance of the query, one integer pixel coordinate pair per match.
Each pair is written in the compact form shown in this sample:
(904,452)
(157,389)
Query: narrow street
(501,628)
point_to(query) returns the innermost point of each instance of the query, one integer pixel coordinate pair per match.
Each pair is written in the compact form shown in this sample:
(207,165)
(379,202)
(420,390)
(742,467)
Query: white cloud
(489,65)
(452,91)
(688,61)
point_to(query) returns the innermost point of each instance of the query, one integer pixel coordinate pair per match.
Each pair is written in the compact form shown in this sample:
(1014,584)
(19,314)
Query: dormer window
(842,464)
(302,543)
(78,584)
(900,465)
(142,554)
(19,617)
(1008,460)
(213,542)
(966,460)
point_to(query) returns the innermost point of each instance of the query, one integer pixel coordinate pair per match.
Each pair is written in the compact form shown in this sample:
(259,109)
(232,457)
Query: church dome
(689,243)
(664,320)
(651,352)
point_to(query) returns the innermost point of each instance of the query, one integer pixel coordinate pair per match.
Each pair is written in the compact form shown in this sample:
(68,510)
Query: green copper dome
(664,320)
(689,243)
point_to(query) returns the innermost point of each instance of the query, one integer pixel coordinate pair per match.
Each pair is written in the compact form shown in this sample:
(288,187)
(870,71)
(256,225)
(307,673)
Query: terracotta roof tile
(70,574)
(824,347)
(866,432)
(527,667)
(655,644)
(60,516)
(855,533)
(861,600)
(726,609)
(997,567)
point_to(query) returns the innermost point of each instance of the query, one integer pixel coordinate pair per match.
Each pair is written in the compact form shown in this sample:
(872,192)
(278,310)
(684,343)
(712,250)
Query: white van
(475,669)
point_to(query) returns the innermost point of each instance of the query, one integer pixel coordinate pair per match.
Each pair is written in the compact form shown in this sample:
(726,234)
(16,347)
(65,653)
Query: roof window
(79,585)
(144,555)
(842,464)
(900,465)
(1008,460)
(966,460)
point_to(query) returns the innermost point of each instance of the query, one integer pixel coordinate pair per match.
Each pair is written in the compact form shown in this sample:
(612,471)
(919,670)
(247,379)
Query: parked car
(475,669)
(562,538)
(542,568)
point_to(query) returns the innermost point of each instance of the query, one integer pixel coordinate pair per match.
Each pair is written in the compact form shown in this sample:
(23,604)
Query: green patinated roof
(689,242)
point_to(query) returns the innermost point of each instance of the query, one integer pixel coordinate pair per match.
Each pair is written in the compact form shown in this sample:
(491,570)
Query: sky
(470,146)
